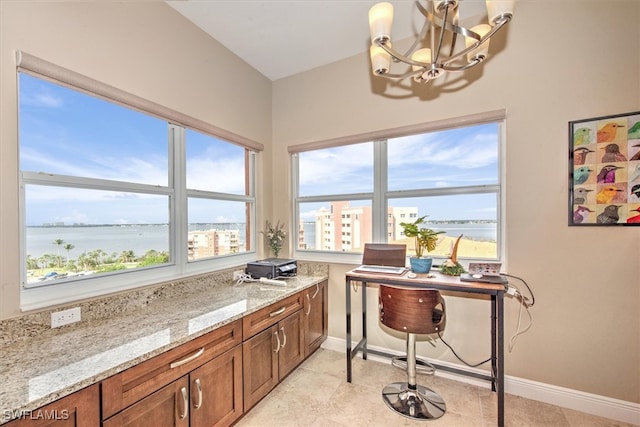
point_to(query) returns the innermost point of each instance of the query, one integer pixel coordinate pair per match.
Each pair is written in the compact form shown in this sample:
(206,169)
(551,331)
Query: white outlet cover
(65,317)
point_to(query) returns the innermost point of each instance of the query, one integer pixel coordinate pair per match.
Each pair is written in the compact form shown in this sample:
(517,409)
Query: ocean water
(141,238)
(110,239)
(473,231)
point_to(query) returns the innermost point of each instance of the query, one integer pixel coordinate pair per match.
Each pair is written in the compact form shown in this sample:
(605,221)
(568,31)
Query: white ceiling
(280,38)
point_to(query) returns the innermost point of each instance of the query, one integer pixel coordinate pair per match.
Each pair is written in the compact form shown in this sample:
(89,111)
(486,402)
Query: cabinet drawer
(128,387)
(270,315)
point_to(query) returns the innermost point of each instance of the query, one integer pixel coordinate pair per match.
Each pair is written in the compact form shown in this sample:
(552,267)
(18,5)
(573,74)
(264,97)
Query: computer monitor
(394,255)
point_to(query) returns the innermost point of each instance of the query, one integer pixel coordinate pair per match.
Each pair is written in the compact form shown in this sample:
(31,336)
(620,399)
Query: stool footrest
(419,404)
(422,366)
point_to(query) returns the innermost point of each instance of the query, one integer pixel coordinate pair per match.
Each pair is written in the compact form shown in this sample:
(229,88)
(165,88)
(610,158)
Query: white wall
(145,48)
(581,61)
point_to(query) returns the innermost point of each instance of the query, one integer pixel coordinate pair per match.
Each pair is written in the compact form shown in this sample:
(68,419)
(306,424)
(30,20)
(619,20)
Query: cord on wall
(525,303)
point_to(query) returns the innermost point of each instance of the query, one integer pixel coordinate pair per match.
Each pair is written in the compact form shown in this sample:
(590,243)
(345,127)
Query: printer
(272,268)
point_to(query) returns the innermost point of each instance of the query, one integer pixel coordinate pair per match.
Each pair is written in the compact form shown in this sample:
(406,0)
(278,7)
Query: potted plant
(274,236)
(425,239)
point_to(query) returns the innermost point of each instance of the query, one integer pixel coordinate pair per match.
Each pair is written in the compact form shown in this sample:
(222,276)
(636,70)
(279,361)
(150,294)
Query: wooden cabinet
(80,409)
(276,345)
(216,390)
(210,395)
(198,383)
(167,407)
(316,316)
(209,381)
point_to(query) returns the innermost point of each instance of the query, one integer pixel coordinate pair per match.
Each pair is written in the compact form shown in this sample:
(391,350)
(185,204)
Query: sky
(67,132)
(453,158)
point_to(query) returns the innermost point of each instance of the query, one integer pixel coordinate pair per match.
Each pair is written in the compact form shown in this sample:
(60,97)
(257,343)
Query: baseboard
(593,404)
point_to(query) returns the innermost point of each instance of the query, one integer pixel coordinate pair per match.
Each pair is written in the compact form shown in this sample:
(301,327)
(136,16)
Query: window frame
(381,195)
(179,266)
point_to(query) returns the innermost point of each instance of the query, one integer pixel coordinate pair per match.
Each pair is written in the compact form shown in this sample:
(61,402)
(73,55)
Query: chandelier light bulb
(380,20)
(380,59)
(499,9)
(481,52)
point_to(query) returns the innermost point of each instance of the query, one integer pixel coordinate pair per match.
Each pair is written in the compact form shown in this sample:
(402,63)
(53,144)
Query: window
(109,190)
(451,175)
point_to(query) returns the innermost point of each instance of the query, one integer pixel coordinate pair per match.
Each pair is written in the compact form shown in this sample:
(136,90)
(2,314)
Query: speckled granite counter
(39,365)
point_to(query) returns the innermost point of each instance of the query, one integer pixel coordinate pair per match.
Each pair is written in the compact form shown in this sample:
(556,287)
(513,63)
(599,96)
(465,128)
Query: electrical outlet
(64,317)
(237,274)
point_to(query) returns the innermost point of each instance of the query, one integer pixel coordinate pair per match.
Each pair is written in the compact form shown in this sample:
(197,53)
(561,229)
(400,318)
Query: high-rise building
(203,244)
(347,228)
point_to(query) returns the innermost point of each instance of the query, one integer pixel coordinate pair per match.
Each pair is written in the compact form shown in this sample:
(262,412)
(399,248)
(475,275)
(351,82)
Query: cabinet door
(260,365)
(316,317)
(292,346)
(167,407)
(216,390)
(124,389)
(80,409)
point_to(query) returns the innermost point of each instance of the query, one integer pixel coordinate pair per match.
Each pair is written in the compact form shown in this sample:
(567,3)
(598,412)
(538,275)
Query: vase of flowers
(274,236)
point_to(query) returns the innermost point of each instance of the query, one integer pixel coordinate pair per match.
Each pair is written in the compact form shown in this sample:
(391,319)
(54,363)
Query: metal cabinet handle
(199,395)
(278,338)
(279,311)
(187,359)
(185,404)
(308,305)
(284,337)
(316,292)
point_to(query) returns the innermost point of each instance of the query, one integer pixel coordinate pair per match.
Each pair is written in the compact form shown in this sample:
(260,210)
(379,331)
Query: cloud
(460,150)
(40,99)
(225,175)
(350,167)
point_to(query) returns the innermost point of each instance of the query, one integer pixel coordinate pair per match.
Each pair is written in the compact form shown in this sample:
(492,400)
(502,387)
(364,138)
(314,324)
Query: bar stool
(414,311)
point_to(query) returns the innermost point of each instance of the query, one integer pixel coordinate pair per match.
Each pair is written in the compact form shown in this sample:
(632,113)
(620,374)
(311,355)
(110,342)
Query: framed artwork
(604,170)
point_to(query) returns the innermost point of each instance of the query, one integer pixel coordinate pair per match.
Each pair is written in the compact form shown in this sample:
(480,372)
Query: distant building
(210,243)
(395,217)
(347,228)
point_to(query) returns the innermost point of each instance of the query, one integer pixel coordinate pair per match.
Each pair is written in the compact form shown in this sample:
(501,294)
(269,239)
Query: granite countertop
(39,369)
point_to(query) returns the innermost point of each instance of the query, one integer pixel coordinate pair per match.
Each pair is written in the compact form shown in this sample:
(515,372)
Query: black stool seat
(414,311)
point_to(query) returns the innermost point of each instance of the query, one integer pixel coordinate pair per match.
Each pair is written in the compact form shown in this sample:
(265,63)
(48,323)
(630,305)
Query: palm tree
(58,243)
(32,263)
(68,248)
(96,256)
(127,256)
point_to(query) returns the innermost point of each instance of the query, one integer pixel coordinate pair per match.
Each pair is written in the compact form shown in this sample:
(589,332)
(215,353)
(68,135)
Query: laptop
(385,258)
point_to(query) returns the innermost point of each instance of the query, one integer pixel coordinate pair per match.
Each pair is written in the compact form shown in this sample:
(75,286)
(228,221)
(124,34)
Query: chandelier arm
(436,53)
(399,57)
(454,36)
(423,32)
(464,67)
(479,40)
(400,76)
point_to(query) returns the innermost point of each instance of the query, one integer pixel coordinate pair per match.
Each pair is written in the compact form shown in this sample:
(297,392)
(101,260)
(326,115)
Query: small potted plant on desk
(425,239)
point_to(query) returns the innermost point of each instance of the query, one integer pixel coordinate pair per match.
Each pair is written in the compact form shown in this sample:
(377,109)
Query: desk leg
(500,367)
(494,342)
(348,312)
(364,320)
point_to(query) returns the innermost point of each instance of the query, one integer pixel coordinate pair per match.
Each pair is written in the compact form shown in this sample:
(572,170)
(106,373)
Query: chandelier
(440,32)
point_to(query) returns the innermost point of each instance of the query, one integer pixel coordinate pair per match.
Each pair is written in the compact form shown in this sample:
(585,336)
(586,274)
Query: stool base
(419,404)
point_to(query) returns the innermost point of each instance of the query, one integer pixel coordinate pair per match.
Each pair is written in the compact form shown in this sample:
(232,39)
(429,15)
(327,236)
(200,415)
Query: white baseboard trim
(589,403)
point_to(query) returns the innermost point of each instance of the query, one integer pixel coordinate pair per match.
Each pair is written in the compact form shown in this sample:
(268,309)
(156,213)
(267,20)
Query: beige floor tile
(316,394)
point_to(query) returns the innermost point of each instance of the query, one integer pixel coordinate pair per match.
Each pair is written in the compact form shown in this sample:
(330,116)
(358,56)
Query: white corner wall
(581,61)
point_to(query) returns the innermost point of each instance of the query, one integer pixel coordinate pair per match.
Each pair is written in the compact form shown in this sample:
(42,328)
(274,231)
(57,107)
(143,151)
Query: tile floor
(318,395)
